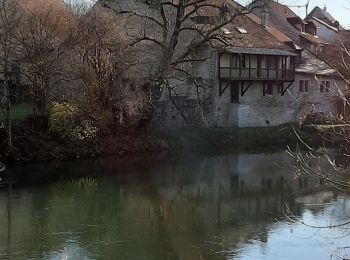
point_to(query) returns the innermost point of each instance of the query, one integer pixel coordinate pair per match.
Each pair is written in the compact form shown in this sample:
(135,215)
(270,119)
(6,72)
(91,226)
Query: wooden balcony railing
(257,74)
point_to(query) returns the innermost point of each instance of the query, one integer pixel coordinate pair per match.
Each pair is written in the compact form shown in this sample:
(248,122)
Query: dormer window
(241,30)
(226,31)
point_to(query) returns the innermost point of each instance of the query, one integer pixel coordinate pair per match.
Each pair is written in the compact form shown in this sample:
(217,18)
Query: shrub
(67,121)
(318,118)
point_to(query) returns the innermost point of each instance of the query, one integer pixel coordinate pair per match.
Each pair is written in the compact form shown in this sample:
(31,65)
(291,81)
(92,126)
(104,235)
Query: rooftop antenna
(301,6)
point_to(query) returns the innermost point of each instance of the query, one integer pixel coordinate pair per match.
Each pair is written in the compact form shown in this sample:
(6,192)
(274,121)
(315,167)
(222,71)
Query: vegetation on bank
(251,138)
(34,140)
(38,139)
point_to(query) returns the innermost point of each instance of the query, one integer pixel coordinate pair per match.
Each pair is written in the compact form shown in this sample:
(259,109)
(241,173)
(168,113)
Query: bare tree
(9,18)
(178,34)
(100,62)
(41,40)
(329,160)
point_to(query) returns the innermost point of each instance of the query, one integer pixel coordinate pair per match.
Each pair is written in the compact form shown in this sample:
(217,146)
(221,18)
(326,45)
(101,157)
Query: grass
(19,111)
(85,182)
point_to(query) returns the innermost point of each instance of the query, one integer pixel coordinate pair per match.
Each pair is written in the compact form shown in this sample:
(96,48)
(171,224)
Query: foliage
(66,120)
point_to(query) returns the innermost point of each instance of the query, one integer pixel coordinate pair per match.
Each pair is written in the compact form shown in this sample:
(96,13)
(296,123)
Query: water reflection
(220,207)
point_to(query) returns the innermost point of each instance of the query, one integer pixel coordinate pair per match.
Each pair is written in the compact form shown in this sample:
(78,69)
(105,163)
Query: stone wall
(253,109)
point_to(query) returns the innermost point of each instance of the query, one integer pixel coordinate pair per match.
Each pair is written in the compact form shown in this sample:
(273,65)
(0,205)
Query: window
(226,31)
(241,30)
(303,86)
(234,61)
(325,86)
(244,61)
(272,63)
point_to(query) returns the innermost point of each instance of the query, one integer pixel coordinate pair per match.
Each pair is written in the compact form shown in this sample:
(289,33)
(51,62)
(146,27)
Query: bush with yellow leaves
(66,121)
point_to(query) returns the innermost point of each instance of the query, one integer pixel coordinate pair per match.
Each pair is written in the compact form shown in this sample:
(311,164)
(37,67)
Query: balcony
(257,74)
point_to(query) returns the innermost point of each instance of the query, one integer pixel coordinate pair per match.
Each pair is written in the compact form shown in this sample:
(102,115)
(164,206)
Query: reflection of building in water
(231,176)
(214,206)
(239,196)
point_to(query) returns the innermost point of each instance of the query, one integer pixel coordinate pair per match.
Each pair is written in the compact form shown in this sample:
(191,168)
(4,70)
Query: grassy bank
(33,142)
(252,138)
(19,111)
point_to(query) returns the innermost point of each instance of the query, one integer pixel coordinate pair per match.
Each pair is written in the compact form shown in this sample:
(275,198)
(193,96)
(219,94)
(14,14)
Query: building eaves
(259,51)
(312,38)
(323,23)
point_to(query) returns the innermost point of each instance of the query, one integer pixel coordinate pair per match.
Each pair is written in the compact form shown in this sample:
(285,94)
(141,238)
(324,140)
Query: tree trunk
(8,112)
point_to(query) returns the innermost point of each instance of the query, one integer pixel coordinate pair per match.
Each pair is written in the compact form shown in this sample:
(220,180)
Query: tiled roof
(257,36)
(310,63)
(282,10)
(271,29)
(278,18)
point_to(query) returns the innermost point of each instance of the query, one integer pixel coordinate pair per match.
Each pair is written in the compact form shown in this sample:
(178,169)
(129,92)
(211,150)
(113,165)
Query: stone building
(316,82)
(264,76)
(268,78)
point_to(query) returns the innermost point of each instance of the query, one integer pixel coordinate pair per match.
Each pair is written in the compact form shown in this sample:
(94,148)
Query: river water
(232,206)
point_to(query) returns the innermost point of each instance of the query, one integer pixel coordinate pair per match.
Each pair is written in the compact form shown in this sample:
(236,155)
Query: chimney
(265,17)
(336,24)
(325,8)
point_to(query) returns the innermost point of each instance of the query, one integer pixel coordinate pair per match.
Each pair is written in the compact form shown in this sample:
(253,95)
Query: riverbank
(33,143)
(238,139)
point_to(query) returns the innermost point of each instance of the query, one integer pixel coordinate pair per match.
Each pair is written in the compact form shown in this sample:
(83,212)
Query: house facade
(269,81)
(316,83)
(263,77)
(252,87)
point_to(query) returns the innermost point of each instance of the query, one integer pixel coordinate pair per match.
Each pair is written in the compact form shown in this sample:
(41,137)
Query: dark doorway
(234,91)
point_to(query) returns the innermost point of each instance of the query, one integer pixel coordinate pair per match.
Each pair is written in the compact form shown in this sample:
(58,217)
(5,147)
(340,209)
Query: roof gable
(324,16)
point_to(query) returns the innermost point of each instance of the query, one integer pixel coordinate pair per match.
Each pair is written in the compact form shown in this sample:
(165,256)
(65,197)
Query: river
(232,206)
